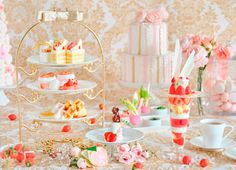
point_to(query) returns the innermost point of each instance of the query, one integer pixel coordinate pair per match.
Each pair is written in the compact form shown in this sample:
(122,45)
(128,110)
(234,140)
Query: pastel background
(110,20)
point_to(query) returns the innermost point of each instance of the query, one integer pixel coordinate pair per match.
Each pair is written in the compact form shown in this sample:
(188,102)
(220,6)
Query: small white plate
(83,86)
(230,153)
(87,60)
(129,135)
(198,142)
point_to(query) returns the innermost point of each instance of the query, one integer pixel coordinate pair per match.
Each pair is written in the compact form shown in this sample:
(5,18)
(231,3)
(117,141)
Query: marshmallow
(226,106)
(224,97)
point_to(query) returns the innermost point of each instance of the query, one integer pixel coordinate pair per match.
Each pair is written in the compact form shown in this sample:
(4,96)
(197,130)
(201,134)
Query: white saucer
(198,142)
(230,153)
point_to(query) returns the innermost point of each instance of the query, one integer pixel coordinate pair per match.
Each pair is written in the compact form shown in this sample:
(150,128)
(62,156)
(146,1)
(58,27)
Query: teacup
(212,131)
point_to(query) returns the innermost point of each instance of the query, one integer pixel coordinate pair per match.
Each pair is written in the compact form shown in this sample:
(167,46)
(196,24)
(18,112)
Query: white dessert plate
(83,86)
(230,153)
(129,135)
(198,142)
(91,113)
(165,125)
(87,60)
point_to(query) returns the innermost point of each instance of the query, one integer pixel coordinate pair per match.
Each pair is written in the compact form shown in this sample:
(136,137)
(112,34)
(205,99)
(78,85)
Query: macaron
(226,106)
(225,97)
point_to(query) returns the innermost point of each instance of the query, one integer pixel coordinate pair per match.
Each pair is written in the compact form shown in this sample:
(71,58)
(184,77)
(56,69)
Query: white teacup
(212,131)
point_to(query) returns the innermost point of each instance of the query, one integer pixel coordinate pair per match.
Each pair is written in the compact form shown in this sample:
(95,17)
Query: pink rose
(223,52)
(81,164)
(124,148)
(196,39)
(137,150)
(164,14)
(75,151)
(99,158)
(140,16)
(3,53)
(200,59)
(126,158)
(153,17)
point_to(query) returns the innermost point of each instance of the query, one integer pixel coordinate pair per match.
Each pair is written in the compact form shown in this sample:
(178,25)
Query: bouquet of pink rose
(206,50)
(129,154)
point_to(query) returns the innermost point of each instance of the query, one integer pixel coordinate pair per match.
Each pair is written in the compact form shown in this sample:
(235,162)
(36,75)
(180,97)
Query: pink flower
(153,17)
(200,58)
(137,150)
(99,158)
(196,39)
(164,14)
(75,151)
(81,164)
(223,52)
(3,53)
(140,16)
(124,148)
(207,43)
(126,158)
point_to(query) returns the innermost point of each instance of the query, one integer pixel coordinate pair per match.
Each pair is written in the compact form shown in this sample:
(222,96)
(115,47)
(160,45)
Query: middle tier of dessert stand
(86,88)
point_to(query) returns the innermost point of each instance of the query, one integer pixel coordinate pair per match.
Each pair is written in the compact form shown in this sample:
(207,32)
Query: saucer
(198,142)
(230,153)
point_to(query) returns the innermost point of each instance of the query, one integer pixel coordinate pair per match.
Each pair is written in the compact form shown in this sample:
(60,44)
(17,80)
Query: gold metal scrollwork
(34,70)
(92,67)
(89,94)
(35,97)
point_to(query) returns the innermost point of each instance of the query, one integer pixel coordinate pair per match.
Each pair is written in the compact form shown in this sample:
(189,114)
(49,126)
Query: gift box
(148,39)
(58,53)
(75,53)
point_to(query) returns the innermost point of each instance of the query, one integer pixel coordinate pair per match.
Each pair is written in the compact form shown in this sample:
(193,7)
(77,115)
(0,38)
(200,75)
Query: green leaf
(93,148)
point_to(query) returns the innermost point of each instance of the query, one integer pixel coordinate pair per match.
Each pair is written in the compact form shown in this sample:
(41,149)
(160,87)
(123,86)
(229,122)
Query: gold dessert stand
(36,96)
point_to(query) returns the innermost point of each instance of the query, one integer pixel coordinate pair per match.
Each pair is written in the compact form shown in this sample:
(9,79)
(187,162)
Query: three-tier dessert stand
(90,64)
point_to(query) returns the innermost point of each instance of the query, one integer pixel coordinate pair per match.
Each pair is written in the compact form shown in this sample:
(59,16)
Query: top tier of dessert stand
(91,64)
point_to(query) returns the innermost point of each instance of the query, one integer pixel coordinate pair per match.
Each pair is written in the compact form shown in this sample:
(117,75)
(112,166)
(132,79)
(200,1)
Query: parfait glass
(180,106)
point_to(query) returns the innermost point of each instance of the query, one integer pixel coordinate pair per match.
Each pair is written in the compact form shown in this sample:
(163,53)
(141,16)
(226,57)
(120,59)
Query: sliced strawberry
(188,90)
(177,135)
(179,141)
(106,134)
(110,137)
(43,85)
(171,100)
(71,45)
(180,90)
(203,163)
(172,89)
(186,160)
(92,121)
(18,147)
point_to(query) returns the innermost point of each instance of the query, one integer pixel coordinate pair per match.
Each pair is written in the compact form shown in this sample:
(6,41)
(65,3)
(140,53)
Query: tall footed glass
(179,100)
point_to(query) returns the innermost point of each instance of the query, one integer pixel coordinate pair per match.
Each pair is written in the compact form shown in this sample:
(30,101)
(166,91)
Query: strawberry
(18,147)
(187,90)
(29,155)
(92,121)
(13,153)
(172,89)
(12,117)
(110,137)
(102,106)
(70,82)
(180,90)
(20,157)
(179,141)
(171,100)
(138,165)
(3,154)
(71,45)
(173,80)
(29,162)
(203,163)
(66,128)
(186,160)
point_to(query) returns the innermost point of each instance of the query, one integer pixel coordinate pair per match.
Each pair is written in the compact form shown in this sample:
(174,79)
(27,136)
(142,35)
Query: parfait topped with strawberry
(179,102)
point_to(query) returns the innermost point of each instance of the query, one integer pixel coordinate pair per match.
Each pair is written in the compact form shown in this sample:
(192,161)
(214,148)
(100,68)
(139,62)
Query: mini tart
(46,78)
